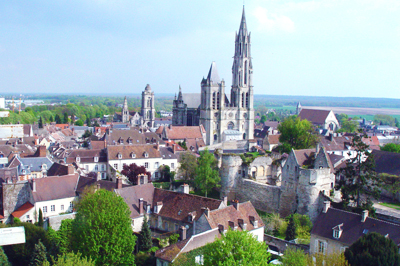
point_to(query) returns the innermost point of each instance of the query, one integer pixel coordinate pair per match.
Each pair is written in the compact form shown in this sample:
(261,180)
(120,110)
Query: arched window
(245,72)
(244,135)
(215,137)
(149,102)
(213,101)
(243,99)
(247,99)
(231,125)
(218,100)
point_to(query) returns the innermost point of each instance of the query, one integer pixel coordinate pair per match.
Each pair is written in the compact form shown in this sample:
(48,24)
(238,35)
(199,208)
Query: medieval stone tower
(148,111)
(233,119)
(125,112)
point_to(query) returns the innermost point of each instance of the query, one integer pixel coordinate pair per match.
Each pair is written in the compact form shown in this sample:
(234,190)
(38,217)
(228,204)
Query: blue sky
(315,48)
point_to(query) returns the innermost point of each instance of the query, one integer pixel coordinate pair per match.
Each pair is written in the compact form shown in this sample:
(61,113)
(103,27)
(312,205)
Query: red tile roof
(183,132)
(22,210)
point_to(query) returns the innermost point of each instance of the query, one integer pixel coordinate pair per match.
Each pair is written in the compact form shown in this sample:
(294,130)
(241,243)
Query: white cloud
(272,22)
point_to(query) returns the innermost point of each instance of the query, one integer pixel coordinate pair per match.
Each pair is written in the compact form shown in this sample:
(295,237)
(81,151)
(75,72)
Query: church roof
(148,88)
(314,116)
(213,74)
(243,27)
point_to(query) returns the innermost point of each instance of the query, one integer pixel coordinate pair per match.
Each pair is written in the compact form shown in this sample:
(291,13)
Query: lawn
(391,205)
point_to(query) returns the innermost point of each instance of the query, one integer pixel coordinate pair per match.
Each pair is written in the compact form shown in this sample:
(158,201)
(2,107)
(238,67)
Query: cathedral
(147,115)
(224,117)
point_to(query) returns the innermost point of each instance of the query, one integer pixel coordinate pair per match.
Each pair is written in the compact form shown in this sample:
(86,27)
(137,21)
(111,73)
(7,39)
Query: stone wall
(14,196)
(282,245)
(231,166)
(55,221)
(264,197)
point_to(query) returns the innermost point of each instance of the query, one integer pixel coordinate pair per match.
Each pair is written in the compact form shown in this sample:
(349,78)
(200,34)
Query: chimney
(364,215)
(158,146)
(331,136)
(174,148)
(317,148)
(119,183)
(33,185)
(182,233)
(235,204)
(141,206)
(225,200)
(98,176)
(185,188)
(242,224)
(327,205)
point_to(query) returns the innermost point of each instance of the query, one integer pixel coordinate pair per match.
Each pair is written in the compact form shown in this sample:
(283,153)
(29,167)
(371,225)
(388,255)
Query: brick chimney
(174,148)
(141,206)
(119,183)
(327,205)
(182,233)
(364,215)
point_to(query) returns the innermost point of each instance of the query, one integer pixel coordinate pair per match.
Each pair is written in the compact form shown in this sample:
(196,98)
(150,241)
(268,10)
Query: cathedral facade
(147,115)
(224,118)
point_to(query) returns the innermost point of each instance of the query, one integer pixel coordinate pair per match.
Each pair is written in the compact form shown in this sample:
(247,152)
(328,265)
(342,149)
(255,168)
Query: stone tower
(179,110)
(242,80)
(234,120)
(125,112)
(298,108)
(148,111)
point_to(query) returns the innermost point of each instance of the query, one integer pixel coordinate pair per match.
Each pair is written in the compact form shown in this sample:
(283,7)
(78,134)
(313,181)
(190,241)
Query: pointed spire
(148,88)
(213,76)
(180,93)
(243,27)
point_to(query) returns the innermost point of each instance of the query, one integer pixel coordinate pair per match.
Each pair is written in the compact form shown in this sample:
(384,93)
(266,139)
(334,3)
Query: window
(119,156)
(116,166)
(336,233)
(156,165)
(78,159)
(62,207)
(87,167)
(156,174)
(27,217)
(96,167)
(133,155)
(71,205)
(146,165)
(96,159)
(321,246)
(103,175)
(199,259)
(172,165)
(103,167)
(44,209)
(34,175)
(53,208)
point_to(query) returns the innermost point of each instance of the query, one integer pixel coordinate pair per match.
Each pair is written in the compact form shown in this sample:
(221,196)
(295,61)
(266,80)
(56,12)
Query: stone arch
(254,171)
(260,171)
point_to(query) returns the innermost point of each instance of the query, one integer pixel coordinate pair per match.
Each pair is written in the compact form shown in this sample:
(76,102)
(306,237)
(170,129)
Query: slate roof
(352,226)
(167,153)
(22,210)
(55,187)
(87,156)
(213,76)
(339,143)
(314,116)
(132,137)
(386,162)
(35,163)
(304,156)
(89,181)
(58,169)
(224,215)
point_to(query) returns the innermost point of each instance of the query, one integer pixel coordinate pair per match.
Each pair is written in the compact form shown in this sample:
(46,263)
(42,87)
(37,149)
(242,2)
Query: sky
(312,48)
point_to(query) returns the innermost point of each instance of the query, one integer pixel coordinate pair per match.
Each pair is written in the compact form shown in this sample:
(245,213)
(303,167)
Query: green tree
(392,147)
(65,120)
(373,249)
(358,177)
(88,123)
(207,176)
(384,120)
(39,256)
(71,259)
(40,122)
(58,119)
(40,222)
(188,165)
(296,134)
(102,229)
(348,126)
(79,123)
(294,257)
(291,229)
(145,242)
(263,119)
(3,258)
(236,248)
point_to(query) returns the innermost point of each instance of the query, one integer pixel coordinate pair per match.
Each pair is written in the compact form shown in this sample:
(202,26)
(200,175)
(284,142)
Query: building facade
(224,118)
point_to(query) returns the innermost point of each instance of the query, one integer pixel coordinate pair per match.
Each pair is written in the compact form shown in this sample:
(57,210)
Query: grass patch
(391,205)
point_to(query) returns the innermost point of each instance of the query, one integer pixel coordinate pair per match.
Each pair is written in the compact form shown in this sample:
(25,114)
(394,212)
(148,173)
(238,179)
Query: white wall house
(89,161)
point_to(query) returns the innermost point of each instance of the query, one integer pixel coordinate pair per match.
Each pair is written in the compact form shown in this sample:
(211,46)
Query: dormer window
(78,159)
(129,140)
(145,154)
(119,156)
(133,155)
(96,159)
(337,231)
(121,141)
(44,166)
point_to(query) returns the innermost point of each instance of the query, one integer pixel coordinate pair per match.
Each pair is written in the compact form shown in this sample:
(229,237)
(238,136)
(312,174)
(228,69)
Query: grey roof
(35,163)
(192,100)
(166,153)
(213,74)
(232,132)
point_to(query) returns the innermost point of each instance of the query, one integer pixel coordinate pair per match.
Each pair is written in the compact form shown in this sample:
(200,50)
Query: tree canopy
(296,134)
(207,176)
(392,147)
(188,165)
(133,170)
(373,249)
(102,229)
(145,242)
(358,178)
(236,248)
